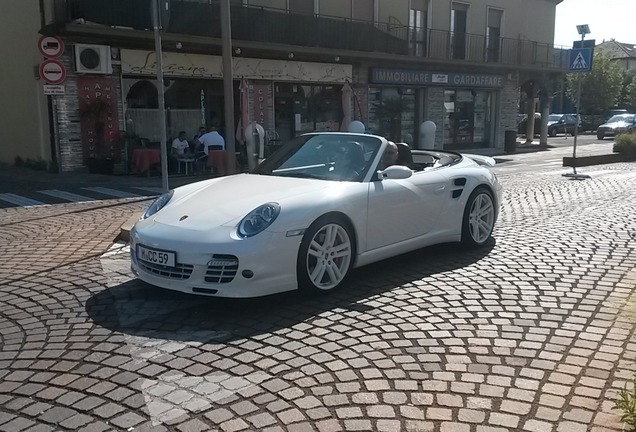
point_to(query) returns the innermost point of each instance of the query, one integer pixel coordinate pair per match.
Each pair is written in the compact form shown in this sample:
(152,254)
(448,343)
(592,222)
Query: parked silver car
(617,124)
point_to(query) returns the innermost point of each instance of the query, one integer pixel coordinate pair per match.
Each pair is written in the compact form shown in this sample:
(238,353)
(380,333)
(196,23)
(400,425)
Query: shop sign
(135,62)
(262,103)
(54,90)
(448,79)
(52,71)
(51,46)
(99,124)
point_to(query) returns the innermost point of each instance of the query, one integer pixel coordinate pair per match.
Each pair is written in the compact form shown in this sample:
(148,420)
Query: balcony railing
(281,27)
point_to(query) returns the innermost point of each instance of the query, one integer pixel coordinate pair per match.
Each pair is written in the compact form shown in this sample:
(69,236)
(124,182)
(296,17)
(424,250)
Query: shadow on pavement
(138,309)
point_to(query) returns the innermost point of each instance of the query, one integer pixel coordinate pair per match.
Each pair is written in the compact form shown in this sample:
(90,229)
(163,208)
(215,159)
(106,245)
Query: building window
(459,27)
(363,10)
(493,35)
(305,7)
(468,118)
(418,19)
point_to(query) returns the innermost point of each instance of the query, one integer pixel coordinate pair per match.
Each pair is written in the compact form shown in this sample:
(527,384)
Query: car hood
(226,200)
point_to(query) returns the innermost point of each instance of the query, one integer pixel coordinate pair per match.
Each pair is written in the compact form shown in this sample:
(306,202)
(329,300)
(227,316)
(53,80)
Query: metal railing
(282,27)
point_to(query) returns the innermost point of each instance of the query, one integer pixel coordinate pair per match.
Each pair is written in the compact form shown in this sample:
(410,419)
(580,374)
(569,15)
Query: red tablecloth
(217,159)
(145,159)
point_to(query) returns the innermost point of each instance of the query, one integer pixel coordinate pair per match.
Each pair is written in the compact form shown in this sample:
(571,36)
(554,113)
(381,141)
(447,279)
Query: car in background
(561,123)
(617,124)
(523,124)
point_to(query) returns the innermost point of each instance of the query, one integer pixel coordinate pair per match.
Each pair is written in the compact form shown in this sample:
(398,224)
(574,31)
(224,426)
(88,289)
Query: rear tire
(552,132)
(479,218)
(326,255)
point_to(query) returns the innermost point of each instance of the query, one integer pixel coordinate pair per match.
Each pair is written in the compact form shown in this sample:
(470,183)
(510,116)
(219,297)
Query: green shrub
(18,161)
(627,403)
(625,144)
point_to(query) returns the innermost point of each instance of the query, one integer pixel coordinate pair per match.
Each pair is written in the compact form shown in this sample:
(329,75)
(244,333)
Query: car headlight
(258,219)
(158,204)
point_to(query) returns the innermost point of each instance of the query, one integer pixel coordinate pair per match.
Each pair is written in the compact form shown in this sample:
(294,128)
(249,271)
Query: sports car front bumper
(257,266)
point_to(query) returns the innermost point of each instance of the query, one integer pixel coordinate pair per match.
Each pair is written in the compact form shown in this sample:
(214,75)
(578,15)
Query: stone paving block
(17,424)
(505,420)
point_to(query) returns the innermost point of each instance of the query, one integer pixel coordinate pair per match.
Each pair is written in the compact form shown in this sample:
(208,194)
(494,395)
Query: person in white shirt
(180,145)
(212,138)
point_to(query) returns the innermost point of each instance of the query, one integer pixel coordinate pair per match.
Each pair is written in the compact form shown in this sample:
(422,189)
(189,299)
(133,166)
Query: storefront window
(190,104)
(307,108)
(392,112)
(467,118)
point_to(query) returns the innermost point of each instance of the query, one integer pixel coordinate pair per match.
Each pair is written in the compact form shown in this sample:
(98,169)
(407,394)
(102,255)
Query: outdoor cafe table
(146,158)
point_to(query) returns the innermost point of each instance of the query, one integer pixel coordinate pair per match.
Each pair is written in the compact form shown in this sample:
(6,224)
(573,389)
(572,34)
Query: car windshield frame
(324,156)
(555,117)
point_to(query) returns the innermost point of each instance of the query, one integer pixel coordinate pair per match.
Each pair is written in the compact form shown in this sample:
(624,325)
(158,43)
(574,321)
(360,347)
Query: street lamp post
(228,88)
(583,29)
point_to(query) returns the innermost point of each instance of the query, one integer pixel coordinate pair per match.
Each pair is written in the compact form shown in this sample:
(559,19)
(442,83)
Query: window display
(467,118)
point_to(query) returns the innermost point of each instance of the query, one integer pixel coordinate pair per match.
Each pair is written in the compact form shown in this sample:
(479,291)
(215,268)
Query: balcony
(267,25)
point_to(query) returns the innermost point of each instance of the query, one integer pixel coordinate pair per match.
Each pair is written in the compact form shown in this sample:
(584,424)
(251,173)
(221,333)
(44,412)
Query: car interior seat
(404,155)
(355,155)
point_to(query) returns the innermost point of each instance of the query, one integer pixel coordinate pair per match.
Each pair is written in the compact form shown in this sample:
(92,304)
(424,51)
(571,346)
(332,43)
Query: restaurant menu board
(99,123)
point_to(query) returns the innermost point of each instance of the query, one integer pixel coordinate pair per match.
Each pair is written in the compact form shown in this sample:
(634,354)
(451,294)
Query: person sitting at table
(180,145)
(212,139)
(194,143)
(209,141)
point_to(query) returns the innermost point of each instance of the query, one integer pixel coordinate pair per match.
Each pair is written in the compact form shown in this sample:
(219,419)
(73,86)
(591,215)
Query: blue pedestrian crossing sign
(580,60)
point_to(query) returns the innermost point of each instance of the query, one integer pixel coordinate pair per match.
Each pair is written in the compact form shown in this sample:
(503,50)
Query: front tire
(326,255)
(479,218)
(600,135)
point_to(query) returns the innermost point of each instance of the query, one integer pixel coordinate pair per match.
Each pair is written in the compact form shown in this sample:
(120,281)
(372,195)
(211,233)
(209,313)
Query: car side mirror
(395,172)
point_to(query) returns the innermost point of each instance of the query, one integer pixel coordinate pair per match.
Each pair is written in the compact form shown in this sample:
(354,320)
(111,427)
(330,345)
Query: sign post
(580,61)
(162,103)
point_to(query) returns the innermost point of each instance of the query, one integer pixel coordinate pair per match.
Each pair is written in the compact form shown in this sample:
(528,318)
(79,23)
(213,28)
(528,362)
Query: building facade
(85,83)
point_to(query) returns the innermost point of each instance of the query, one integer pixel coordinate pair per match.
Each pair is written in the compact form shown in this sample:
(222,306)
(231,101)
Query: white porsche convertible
(318,207)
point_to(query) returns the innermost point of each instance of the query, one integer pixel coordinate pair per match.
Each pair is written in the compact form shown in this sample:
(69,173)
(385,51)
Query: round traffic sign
(52,71)
(51,46)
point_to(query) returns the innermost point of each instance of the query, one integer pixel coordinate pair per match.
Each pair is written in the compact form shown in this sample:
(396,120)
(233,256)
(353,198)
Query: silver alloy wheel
(481,218)
(328,256)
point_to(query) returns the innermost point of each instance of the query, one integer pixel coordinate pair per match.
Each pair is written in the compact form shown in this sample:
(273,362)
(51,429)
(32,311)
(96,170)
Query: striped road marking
(111,192)
(19,200)
(68,196)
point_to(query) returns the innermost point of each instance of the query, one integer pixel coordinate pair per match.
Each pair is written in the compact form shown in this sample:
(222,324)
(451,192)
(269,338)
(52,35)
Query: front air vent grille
(222,269)
(180,271)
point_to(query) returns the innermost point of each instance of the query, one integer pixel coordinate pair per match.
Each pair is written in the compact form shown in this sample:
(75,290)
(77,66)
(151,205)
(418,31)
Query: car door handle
(440,189)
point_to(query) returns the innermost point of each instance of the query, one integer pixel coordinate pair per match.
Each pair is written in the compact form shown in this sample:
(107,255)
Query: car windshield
(629,118)
(329,156)
(554,117)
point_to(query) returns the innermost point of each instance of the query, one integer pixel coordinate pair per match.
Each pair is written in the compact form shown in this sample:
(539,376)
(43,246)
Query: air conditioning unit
(93,59)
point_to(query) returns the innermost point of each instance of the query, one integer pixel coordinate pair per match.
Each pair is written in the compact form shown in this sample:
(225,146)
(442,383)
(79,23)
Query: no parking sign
(52,71)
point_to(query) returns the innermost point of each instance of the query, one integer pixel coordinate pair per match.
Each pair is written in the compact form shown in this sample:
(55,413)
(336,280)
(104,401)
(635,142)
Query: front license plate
(156,256)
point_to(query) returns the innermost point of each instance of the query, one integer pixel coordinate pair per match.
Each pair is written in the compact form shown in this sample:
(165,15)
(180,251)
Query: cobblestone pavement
(533,333)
